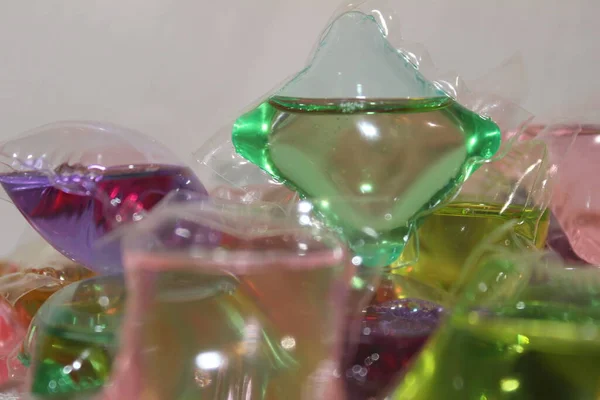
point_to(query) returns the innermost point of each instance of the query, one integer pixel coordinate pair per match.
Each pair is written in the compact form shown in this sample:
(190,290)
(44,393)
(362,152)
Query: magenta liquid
(392,333)
(72,221)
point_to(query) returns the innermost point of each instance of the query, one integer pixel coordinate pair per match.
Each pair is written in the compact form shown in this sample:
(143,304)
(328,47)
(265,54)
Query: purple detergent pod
(76,181)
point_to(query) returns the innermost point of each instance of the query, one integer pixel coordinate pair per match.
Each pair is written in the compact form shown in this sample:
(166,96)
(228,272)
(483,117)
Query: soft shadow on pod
(75,181)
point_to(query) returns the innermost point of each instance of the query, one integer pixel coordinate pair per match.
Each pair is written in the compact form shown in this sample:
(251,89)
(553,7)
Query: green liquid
(373,166)
(68,366)
(448,236)
(535,351)
(72,341)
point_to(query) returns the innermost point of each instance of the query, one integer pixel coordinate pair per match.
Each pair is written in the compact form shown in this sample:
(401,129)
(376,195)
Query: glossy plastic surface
(516,187)
(375,129)
(254,315)
(369,119)
(576,200)
(72,341)
(524,327)
(12,332)
(386,334)
(76,181)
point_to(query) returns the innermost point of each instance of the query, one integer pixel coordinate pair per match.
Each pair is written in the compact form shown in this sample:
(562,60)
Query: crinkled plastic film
(321,133)
(32,274)
(517,187)
(370,197)
(75,181)
(573,141)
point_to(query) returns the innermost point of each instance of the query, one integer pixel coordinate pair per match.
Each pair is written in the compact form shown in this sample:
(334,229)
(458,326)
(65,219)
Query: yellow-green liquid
(447,237)
(540,351)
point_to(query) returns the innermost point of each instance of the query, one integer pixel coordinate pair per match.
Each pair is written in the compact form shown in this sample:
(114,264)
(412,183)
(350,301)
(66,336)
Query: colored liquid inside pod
(559,242)
(391,335)
(72,340)
(364,136)
(72,221)
(64,274)
(448,236)
(11,334)
(218,332)
(533,351)
(29,303)
(372,167)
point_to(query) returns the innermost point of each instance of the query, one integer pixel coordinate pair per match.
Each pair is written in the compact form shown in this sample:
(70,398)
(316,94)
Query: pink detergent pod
(559,243)
(575,200)
(76,181)
(256,316)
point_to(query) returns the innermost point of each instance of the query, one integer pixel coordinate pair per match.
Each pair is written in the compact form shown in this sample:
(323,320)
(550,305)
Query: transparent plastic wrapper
(391,338)
(34,271)
(257,315)
(575,201)
(76,181)
(368,118)
(372,326)
(17,284)
(265,193)
(34,254)
(71,343)
(525,326)
(516,187)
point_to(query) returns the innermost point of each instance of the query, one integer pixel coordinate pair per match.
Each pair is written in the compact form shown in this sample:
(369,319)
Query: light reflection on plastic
(209,360)
(304,220)
(304,207)
(368,130)
(383,23)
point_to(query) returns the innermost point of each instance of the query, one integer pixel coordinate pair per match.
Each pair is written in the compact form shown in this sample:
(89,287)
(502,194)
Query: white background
(179,69)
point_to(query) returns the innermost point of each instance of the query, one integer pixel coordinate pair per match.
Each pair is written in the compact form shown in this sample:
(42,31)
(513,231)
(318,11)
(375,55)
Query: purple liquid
(72,221)
(392,333)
